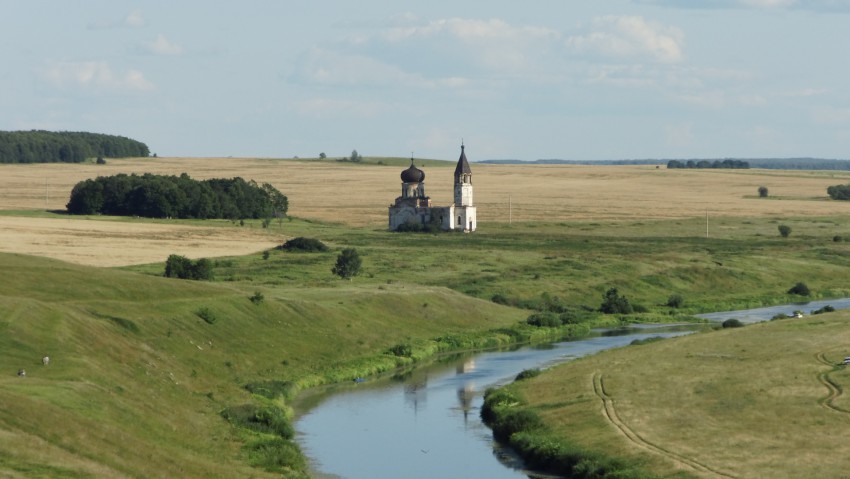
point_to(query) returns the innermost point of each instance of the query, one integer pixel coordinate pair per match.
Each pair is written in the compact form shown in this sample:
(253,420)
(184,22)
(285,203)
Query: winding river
(426,424)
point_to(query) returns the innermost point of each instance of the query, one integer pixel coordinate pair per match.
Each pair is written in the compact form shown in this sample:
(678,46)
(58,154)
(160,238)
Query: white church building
(413,207)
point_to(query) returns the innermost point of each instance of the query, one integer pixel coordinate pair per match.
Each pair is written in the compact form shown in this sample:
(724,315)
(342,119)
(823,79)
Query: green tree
(347,264)
(322,155)
(784,230)
(613,303)
(762,191)
(355,157)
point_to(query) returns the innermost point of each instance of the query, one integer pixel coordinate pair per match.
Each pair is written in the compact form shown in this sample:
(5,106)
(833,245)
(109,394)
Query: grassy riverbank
(766,400)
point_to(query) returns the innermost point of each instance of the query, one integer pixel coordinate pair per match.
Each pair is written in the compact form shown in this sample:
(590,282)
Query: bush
(825,309)
(181,267)
(207,315)
(401,350)
(613,303)
(544,319)
(100,160)
(784,230)
(837,239)
(527,374)
(257,298)
(575,316)
(762,191)
(800,289)
(675,301)
(732,323)
(268,419)
(310,245)
(275,455)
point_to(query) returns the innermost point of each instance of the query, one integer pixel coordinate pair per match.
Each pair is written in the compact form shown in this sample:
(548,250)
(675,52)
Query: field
(358,195)
(138,378)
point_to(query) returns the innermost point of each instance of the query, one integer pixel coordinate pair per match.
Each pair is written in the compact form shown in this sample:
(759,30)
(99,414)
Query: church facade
(414,207)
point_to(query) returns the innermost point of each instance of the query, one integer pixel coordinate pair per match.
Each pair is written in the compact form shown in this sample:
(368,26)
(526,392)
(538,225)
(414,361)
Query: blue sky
(584,80)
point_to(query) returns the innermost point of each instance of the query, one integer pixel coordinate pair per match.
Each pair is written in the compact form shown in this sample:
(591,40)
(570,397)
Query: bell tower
(464,211)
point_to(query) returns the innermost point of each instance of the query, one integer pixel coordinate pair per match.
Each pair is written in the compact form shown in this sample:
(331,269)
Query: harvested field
(358,195)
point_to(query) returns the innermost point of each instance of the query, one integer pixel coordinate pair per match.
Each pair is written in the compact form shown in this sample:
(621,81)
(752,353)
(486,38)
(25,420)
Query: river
(425,423)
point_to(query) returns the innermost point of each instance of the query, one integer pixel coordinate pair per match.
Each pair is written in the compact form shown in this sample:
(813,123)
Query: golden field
(358,195)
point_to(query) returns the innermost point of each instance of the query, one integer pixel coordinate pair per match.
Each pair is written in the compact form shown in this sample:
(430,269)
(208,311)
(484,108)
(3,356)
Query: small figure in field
(22,373)
(45,360)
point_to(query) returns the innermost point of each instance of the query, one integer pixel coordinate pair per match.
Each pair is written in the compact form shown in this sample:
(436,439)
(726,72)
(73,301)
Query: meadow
(139,378)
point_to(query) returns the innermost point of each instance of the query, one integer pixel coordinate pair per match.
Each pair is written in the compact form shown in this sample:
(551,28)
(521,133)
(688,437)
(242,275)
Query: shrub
(527,374)
(732,323)
(825,309)
(837,239)
(800,289)
(207,315)
(613,303)
(100,160)
(575,316)
(268,419)
(310,245)
(257,298)
(347,264)
(181,267)
(544,319)
(779,316)
(675,301)
(271,389)
(762,191)
(275,455)
(401,350)
(784,230)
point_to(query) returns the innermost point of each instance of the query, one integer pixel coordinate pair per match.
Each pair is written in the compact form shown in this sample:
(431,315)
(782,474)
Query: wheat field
(358,195)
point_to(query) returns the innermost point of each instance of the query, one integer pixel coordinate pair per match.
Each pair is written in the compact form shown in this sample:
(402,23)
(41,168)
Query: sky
(539,79)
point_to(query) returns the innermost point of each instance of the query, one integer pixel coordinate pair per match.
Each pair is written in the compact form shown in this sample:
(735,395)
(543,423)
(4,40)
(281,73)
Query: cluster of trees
(177,266)
(159,196)
(727,163)
(38,146)
(839,192)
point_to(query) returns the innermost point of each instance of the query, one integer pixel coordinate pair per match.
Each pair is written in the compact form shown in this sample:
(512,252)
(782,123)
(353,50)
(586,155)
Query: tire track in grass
(611,414)
(834,390)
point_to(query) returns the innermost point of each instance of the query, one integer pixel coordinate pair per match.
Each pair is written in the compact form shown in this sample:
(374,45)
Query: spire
(462,164)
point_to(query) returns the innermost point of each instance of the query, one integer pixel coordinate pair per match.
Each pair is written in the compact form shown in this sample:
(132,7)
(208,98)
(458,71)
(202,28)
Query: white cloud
(96,75)
(680,135)
(630,36)
(161,46)
(322,107)
(135,19)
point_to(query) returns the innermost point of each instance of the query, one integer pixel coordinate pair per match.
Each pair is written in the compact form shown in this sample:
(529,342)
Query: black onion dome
(412,174)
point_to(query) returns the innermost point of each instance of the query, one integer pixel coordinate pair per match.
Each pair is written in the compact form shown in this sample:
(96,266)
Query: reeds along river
(426,424)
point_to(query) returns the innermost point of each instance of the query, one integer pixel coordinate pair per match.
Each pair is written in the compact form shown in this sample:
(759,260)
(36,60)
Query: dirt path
(834,391)
(612,416)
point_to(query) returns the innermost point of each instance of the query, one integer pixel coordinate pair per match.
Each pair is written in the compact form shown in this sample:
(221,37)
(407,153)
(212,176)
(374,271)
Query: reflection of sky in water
(427,425)
(765,314)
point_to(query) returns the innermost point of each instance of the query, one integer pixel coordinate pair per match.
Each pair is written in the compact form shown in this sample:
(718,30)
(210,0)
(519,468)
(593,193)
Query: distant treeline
(767,163)
(158,196)
(728,163)
(38,146)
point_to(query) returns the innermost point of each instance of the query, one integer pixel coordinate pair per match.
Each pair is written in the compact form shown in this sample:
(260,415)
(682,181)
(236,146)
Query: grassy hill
(766,400)
(137,379)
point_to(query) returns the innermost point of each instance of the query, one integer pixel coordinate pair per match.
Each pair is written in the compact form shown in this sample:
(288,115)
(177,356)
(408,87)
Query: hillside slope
(137,379)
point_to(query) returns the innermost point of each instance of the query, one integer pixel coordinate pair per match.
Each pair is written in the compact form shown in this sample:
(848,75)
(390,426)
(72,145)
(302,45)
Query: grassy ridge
(137,380)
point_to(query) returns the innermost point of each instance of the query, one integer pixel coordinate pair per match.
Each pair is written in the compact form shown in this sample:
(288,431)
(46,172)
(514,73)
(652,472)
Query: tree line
(727,163)
(39,146)
(160,196)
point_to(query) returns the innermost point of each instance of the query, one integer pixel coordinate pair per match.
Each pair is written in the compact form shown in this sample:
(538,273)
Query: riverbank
(743,402)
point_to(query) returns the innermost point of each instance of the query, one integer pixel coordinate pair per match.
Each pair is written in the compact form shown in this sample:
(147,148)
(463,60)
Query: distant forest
(38,146)
(159,196)
(732,164)
(767,163)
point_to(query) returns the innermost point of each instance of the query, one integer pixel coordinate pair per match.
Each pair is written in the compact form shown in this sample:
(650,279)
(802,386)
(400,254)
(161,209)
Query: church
(413,207)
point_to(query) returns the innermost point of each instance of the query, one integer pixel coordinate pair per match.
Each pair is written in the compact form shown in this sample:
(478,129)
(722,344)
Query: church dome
(412,174)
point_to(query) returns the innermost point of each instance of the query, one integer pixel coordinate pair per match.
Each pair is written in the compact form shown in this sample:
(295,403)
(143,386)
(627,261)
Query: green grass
(137,380)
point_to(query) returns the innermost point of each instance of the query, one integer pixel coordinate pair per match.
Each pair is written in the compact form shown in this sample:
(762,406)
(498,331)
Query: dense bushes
(839,192)
(38,146)
(613,303)
(181,267)
(800,289)
(157,196)
(301,243)
(732,323)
